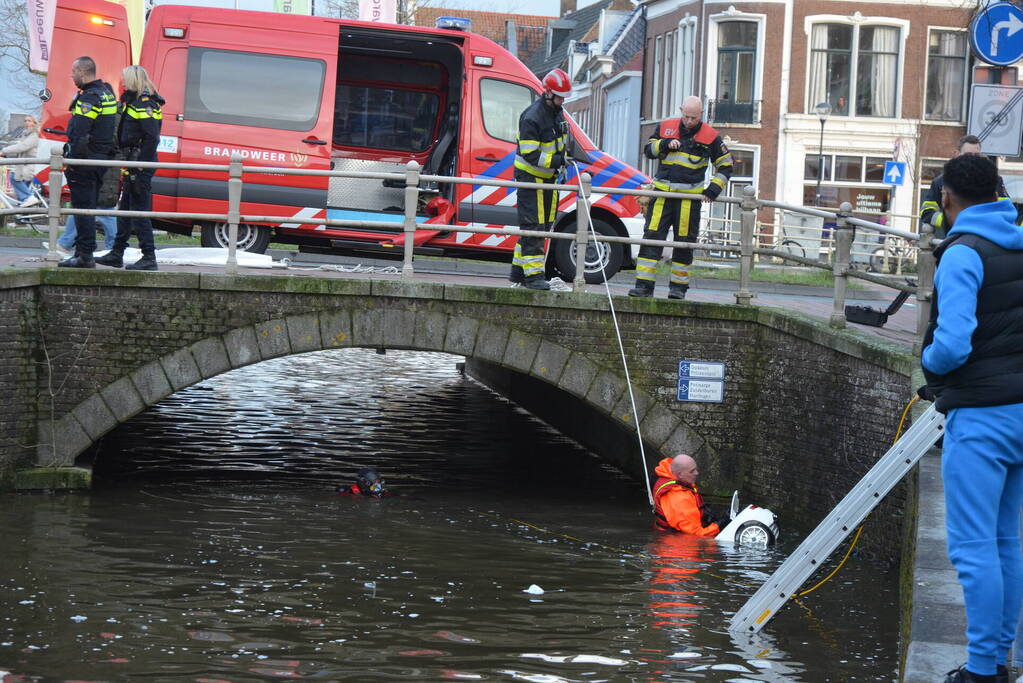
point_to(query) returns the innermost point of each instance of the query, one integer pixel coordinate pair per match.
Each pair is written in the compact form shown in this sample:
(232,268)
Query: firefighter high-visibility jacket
(90,133)
(139,130)
(542,140)
(685,169)
(679,506)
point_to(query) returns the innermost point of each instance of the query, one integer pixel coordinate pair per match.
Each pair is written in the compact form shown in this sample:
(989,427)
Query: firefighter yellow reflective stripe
(679,273)
(683,217)
(655,146)
(540,213)
(646,269)
(719,180)
(720,161)
(527,146)
(529,168)
(937,219)
(690,188)
(685,160)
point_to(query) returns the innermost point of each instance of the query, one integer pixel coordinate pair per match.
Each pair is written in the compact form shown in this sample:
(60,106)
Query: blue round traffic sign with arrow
(996,34)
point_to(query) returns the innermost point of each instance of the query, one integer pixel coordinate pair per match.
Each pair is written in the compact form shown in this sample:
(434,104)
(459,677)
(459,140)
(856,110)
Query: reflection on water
(214,549)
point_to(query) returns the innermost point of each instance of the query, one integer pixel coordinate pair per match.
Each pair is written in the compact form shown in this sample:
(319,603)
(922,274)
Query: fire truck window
(502,102)
(251,89)
(384,118)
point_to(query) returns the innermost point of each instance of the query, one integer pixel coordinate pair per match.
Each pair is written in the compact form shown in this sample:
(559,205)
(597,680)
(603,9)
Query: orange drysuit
(679,506)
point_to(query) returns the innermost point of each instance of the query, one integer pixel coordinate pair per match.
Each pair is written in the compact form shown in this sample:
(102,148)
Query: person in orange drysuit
(678,505)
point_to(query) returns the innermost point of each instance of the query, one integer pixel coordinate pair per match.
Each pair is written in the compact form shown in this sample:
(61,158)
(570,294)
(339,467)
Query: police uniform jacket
(139,130)
(90,133)
(685,169)
(542,140)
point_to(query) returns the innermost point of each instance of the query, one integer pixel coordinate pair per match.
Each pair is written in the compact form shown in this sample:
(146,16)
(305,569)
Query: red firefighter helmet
(558,82)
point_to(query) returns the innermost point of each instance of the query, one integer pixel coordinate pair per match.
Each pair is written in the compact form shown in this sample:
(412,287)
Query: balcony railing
(729,111)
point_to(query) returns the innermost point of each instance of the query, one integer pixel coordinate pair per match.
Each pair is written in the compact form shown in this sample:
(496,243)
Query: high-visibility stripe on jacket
(138,134)
(90,133)
(685,169)
(542,140)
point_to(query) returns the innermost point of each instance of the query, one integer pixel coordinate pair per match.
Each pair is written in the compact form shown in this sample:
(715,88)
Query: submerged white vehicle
(751,526)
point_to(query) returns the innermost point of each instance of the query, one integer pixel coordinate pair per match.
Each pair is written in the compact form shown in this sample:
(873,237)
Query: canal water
(213,548)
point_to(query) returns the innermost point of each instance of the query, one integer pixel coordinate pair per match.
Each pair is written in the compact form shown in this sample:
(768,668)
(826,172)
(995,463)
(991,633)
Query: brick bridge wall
(807,409)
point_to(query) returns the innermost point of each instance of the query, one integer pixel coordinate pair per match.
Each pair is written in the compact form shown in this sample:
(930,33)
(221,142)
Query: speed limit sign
(996,117)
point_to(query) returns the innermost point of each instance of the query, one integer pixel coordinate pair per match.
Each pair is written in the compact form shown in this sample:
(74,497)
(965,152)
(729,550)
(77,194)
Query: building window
(854,64)
(854,179)
(723,223)
(946,75)
(737,45)
(658,73)
(668,93)
(686,61)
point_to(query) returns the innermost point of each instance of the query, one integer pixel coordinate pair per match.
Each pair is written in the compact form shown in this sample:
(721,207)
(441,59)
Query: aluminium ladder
(840,522)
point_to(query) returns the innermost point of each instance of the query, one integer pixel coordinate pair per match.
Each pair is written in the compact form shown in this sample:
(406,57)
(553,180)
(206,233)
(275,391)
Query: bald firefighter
(678,505)
(686,147)
(540,157)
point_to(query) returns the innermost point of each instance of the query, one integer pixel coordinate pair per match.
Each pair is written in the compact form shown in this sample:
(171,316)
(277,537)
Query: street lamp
(823,111)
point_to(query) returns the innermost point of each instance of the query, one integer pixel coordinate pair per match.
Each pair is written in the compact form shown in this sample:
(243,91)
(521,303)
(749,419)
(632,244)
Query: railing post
(53,210)
(582,230)
(844,235)
(924,283)
(411,205)
(747,229)
(234,202)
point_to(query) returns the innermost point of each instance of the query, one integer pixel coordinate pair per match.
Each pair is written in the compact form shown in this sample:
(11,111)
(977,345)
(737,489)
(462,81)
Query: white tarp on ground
(198,256)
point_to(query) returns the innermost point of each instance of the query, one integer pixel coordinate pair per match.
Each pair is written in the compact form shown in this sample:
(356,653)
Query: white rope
(618,333)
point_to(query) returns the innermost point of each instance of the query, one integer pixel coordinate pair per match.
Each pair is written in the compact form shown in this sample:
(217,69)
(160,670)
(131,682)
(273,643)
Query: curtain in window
(885,69)
(945,76)
(818,66)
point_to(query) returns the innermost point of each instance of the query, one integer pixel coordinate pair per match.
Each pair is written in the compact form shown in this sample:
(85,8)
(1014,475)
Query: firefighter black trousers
(537,209)
(661,215)
(136,195)
(84,182)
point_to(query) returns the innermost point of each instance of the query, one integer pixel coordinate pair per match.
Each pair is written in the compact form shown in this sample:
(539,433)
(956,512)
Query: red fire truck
(307,92)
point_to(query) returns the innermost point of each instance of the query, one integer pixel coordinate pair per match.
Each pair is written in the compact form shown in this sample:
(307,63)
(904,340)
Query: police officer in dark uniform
(685,147)
(90,135)
(138,134)
(540,157)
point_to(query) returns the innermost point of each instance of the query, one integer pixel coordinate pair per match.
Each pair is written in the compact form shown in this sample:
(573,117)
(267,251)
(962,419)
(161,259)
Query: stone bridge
(807,409)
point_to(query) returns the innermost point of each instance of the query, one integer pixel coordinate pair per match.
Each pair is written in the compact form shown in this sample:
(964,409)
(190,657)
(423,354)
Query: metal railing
(748,249)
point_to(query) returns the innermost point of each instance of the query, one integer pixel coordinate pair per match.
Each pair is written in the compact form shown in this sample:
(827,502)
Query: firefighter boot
(516,275)
(147,262)
(677,291)
(642,288)
(964,675)
(538,282)
(113,258)
(81,259)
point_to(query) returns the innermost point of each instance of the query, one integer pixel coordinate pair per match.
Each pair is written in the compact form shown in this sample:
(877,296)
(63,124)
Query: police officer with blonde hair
(138,135)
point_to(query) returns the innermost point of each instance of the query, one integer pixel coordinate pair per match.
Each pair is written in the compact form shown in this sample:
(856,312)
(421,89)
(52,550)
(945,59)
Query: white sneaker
(31,201)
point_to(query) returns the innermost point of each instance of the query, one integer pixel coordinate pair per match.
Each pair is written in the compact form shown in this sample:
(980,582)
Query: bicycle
(893,257)
(37,221)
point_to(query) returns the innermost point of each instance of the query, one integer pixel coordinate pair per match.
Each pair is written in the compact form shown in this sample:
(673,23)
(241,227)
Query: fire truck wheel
(252,238)
(603,259)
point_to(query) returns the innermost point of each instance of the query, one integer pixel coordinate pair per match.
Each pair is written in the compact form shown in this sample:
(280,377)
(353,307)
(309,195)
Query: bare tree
(20,80)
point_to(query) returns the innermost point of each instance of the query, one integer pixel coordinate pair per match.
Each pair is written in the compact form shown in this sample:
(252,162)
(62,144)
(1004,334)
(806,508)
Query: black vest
(993,373)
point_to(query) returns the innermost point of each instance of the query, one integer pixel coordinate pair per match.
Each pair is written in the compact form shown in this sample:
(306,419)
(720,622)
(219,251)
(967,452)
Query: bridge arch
(492,342)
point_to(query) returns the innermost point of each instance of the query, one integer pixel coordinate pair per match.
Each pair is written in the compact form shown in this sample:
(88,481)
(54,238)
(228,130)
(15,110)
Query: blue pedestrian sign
(996,34)
(894,172)
(701,381)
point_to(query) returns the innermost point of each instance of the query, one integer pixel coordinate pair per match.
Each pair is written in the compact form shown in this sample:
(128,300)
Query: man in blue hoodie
(973,362)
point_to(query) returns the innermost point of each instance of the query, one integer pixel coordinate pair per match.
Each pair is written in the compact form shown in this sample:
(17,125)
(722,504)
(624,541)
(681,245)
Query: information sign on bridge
(700,381)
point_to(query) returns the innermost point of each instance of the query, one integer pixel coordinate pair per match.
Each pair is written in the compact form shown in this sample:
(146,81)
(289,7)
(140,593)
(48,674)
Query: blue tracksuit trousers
(982,468)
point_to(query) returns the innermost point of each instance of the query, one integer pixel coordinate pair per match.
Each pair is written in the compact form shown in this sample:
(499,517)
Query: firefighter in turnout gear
(685,146)
(540,158)
(90,135)
(138,134)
